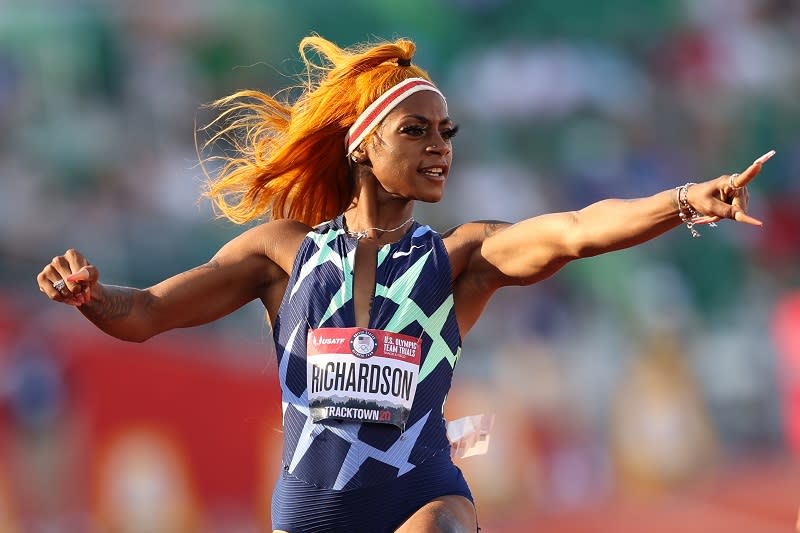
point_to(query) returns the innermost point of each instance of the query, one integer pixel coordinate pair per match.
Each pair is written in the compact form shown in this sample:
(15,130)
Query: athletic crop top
(414,297)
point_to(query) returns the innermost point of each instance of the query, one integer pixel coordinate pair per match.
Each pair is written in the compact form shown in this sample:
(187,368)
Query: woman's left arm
(536,248)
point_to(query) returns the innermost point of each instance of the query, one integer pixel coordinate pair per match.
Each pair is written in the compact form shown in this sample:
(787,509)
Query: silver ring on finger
(732,182)
(61,287)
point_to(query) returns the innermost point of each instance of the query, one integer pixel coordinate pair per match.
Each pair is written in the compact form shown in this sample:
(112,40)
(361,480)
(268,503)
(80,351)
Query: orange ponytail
(289,159)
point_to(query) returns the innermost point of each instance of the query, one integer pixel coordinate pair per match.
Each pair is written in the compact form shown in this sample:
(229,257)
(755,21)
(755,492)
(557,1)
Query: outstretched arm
(488,255)
(536,248)
(246,268)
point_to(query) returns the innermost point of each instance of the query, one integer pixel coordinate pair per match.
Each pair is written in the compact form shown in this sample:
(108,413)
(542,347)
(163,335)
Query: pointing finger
(766,157)
(752,171)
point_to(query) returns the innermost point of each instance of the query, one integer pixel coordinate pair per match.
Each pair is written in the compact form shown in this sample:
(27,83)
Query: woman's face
(411,150)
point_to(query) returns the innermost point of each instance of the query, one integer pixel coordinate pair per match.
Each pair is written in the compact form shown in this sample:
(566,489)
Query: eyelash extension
(452,132)
(412,129)
(447,134)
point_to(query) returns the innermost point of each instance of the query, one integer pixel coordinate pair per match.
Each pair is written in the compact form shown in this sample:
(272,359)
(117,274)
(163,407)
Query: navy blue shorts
(298,507)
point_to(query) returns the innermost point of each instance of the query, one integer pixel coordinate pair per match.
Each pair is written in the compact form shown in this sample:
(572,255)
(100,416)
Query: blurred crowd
(632,373)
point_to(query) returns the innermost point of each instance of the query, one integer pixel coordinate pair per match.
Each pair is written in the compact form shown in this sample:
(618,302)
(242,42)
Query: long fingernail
(766,157)
(80,275)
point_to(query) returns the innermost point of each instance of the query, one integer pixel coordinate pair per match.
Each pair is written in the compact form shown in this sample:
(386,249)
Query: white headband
(378,109)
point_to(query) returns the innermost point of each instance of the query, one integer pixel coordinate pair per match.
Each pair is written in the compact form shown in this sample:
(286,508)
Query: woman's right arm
(246,268)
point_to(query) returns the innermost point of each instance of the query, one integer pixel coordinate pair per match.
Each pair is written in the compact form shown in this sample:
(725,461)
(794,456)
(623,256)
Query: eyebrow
(426,119)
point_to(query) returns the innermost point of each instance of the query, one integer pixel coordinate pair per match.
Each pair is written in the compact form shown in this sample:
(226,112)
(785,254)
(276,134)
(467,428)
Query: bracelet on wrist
(686,212)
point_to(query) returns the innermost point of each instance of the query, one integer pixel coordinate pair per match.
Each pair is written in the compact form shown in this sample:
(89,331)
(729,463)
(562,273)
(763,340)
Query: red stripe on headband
(389,99)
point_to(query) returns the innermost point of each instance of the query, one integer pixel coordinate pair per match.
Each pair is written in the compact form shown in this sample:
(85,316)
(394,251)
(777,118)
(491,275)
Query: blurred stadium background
(655,389)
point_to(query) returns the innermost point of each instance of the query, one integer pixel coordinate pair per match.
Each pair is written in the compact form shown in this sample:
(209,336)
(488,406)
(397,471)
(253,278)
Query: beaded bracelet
(685,209)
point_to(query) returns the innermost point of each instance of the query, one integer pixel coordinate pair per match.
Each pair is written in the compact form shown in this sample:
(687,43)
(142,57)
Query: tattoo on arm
(117,303)
(490,227)
(211,265)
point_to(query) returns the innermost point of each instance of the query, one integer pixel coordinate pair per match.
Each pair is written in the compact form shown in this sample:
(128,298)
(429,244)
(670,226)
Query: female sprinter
(368,306)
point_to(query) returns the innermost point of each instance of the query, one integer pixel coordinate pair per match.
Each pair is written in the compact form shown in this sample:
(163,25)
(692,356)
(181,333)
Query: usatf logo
(363,343)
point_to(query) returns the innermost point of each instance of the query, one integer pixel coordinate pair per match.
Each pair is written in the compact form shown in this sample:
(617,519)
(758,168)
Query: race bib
(363,375)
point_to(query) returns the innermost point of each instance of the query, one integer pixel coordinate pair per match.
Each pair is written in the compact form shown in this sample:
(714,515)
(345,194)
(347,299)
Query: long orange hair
(288,159)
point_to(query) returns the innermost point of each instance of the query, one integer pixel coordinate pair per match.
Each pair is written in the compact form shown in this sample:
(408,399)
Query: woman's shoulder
(278,240)
(284,229)
(464,240)
(472,233)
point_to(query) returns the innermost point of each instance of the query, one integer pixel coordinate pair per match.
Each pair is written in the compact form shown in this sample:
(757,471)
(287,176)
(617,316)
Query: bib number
(362,375)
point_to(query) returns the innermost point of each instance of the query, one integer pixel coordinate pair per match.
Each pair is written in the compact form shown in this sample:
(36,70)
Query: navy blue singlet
(338,466)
